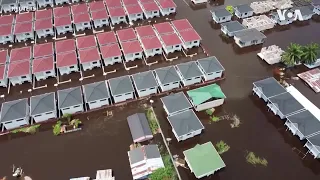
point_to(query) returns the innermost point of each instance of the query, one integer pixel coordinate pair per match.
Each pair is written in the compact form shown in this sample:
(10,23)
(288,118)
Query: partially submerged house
(139,127)
(171,43)
(248,37)
(185,125)
(9,6)
(229,28)
(206,97)
(117,15)
(190,38)
(19,72)
(85,42)
(43,107)
(167,78)
(131,50)
(96,94)
(243,11)
(121,89)
(70,101)
(44,28)
(100,18)
(163,28)
(23,31)
(67,63)
(145,83)
(151,46)
(111,54)
(43,68)
(221,15)
(167,7)
(43,50)
(126,35)
(211,68)
(63,25)
(306,12)
(203,160)
(134,12)
(3,75)
(89,58)
(189,73)
(15,114)
(268,88)
(150,9)
(175,103)
(81,21)
(6,34)
(20,54)
(313,145)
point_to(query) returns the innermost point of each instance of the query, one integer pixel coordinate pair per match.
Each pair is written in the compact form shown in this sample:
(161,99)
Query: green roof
(203,159)
(201,95)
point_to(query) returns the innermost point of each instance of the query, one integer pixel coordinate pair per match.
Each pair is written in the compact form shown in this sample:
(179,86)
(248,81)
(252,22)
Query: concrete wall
(213,75)
(72,110)
(45,75)
(6,39)
(91,65)
(68,69)
(167,11)
(171,49)
(83,26)
(153,52)
(64,29)
(100,23)
(98,103)
(113,60)
(132,57)
(189,45)
(210,104)
(123,97)
(187,136)
(118,20)
(20,79)
(147,92)
(43,3)
(135,17)
(151,14)
(169,86)
(44,116)
(16,123)
(45,32)
(25,36)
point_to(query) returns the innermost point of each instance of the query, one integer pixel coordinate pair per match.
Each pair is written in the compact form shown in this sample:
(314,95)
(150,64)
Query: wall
(210,104)
(153,52)
(83,26)
(98,103)
(132,57)
(15,123)
(20,80)
(45,32)
(58,2)
(220,20)
(151,14)
(169,86)
(190,81)
(68,70)
(29,5)
(190,135)
(100,22)
(6,39)
(64,29)
(123,97)
(147,92)
(24,36)
(72,110)
(243,15)
(44,116)
(213,75)
(135,17)
(171,49)
(189,45)
(45,75)
(4,82)
(8,7)
(43,3)
(113,60)
(118,20)
(167,11)
(91,65)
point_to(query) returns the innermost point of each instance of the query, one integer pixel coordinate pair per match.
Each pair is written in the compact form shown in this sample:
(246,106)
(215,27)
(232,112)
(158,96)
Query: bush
(209,112)
(57,128)
(215,119)
(166,173)
(31,129)
(230,9)
(152,121)
(222,147)
(75,123)
(255,160)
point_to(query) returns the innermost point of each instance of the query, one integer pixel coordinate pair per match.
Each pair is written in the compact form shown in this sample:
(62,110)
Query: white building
(175,103)
(19,72)
(171,43)
(229,28)
(96,94)
(145,83)
(131,50)
(100,18)
(121,89)
(24,31)
(89,58)
(151,46)
(3,75)
(248,37)
(82,21)
(43,107)
(150,9)
(67,62)
(43,68)
(167,78)
(111,54)
(44,3)
(167,7)
(243,11)
(134,12)
(190,38)
(70,101)
(189,73)
(221,15)
(6,34)
(9,6)
(44,28)
(211,68)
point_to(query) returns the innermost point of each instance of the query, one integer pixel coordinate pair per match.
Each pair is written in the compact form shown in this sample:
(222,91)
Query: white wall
(45,74)
(199,1)
(43,3)
(6,39)
(44,116)
(167,11)
(243,15)
(59,2)
(98,103)
(9,7)
(210,104)
(100,22)
(15,123)
(132,57)
(187,136)
(64,29)
(90,65)
(25,36)
(152,52)
(155,163)
(45,32)
(113,60)
(123,97)
(20,79)
(151,14)
(191,44)
(72,110)
(4,82)
(170,86)
(220,20)
(118,20)
(135,17)
(213,75)
(171,49)
(147,92)
(68,69)
(83,26)
(245,44)
(191,81)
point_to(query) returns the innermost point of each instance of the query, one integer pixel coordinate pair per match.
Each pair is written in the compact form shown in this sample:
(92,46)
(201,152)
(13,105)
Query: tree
(310,53)
(292,55)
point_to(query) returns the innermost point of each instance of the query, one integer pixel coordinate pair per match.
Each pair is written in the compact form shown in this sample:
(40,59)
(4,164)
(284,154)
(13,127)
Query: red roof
(86,42)
(151,43)
(97,6)
(6,30)
(167,4)
(150,6)
(181,24)
(102,14)
(23,28)
(106,38)
(146,1)
(8,19)
(44,14)
(131,47)
(163,28)
(170,39)
(116,12)
(65,46)
(126,35)
(19,54)
(133,9)
(79,8)
(81,18)
(130,2)
(62,21)
(110,50)
(24,17)
(66,59)
(61,11)
(42,64)
(41,50)
(2,71)
(89,55)
(20,68)
(113,3)
(144,31)
(43,24)
(3,56)
(189,35)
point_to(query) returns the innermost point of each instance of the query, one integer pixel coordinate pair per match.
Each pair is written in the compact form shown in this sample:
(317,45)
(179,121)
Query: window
(142,90)
(103,100)
(95,62)
(245,13)
(85,24)
(49,113)
(37,115)
(188,134)
(122,17)
(118,95)
(67,27)
(175,82)
(47,30)
(157,49)
(177,46)
(127,93)
(27,34)
(48,72)
(20,120)
(137,54)
(138,14)
(171,9)
(12,5)
(166,85)
(46,0)
(218,72)
(30,3)
(209,74)
(116,58)
(7,37)
(152,88)
(223,18)
(197,77)
(189,79)
(23,77)
(195,42)
(8,122)
(155,12)
(76,106)
(104,20)
(92,102)
(66,108)
(71,67)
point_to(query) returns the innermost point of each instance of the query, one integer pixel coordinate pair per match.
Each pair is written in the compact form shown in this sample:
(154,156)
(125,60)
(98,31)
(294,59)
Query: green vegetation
(255,160)
(215,118)
(152,121)
(75,123)
(222,147)
(230,9)
(209,112)
(68,117)
(57,128)
(31,129)
(296,54)
(166,173)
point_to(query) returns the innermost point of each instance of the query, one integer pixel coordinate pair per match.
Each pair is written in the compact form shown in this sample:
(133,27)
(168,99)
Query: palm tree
(292,55)
(310,53)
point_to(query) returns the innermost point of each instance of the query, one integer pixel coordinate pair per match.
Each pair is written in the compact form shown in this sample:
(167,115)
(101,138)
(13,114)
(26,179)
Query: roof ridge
(97,88)
(69,93)
(12,106)
(41,100)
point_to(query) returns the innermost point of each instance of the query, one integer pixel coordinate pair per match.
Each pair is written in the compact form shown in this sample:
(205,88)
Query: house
(82,21)
(248,37)
(268,88)
(221,15)
(206,97)
(14,114)
(43,107)
(211,68)
(61,11)
(89,58)
(67,45)
(44,3)
(171,43)
(63,25)
(100,18)
(42,50)
(185,125)
(61,2)
(117,15)
(167,78)
(111,54)
(274,16)
(181,25)
(139,127)
(163,28)
(203,160)
(6,34)
(96,6)
(151,46)
(96,94)
(189,73)
(243,11)
(313,145)
(167,7)
(144,160)
(3,75)
(44,28)
(145,31)
(145,83)
(131,50)
(121,89)
(134,12)
(19,54)
(106,38)
(190,38)
(9,6)
(261,22)
(150,9)
(175,103)
(19,72)
(229,28)
(70,101)
(67,62)
(85,42)
(43,68)
(27,5)
(126,35)
(24,31)
(316,8)
(306,12)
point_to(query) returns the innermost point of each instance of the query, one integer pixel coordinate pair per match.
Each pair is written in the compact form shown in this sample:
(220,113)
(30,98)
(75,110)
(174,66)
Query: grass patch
(255,160)
(215,119)
(222,147)
(166,173)
(31,129)
(209,112)
(152,121)
(57,128)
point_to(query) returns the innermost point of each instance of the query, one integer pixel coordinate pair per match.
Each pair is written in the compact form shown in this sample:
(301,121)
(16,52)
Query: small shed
(89,58)
(111,54)
(203,160)
(243,11)
(151,46)
(3,75)
(189,73)
(9,6)
(131,50)
(82,21)
(150,9)
(313,145)
(221,15)
(100,18)
(96,94)
(268,88)
(43,107)
(145,83)
(139,128)
(185,125)
(43,50)
(106,38)
(121,89)
(70,101)
(85,42)
(15,114)
(63,25)
(23,31)
(63,46)
(175,103)
(167,78)
(249,37)
(206,97)
(61,2)
(44,28)
(6,34)
(171,43)
(19,72)
(211,68)
(27,5)
(67,62)
(134,12)
(43,68)
(229,28)
(167,7)
(117,15)
(45,3)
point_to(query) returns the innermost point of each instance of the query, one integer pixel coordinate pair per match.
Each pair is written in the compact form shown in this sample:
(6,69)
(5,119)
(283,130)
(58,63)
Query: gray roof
(221,12)
(139,126)
(185,122)
(286,103)
(69,97)
(25,1)
(243,8)
(233,26)
(270,87)
(305,10)
(305,122)
(315,140)
(152,151)
(3,2)
(42,103)
(136,155)
(144,80)
(148,151)
(210,64)
(167,75)
(189,70)
(176,102)
(96,91)
(120,85)
(13,110)
(249,35)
